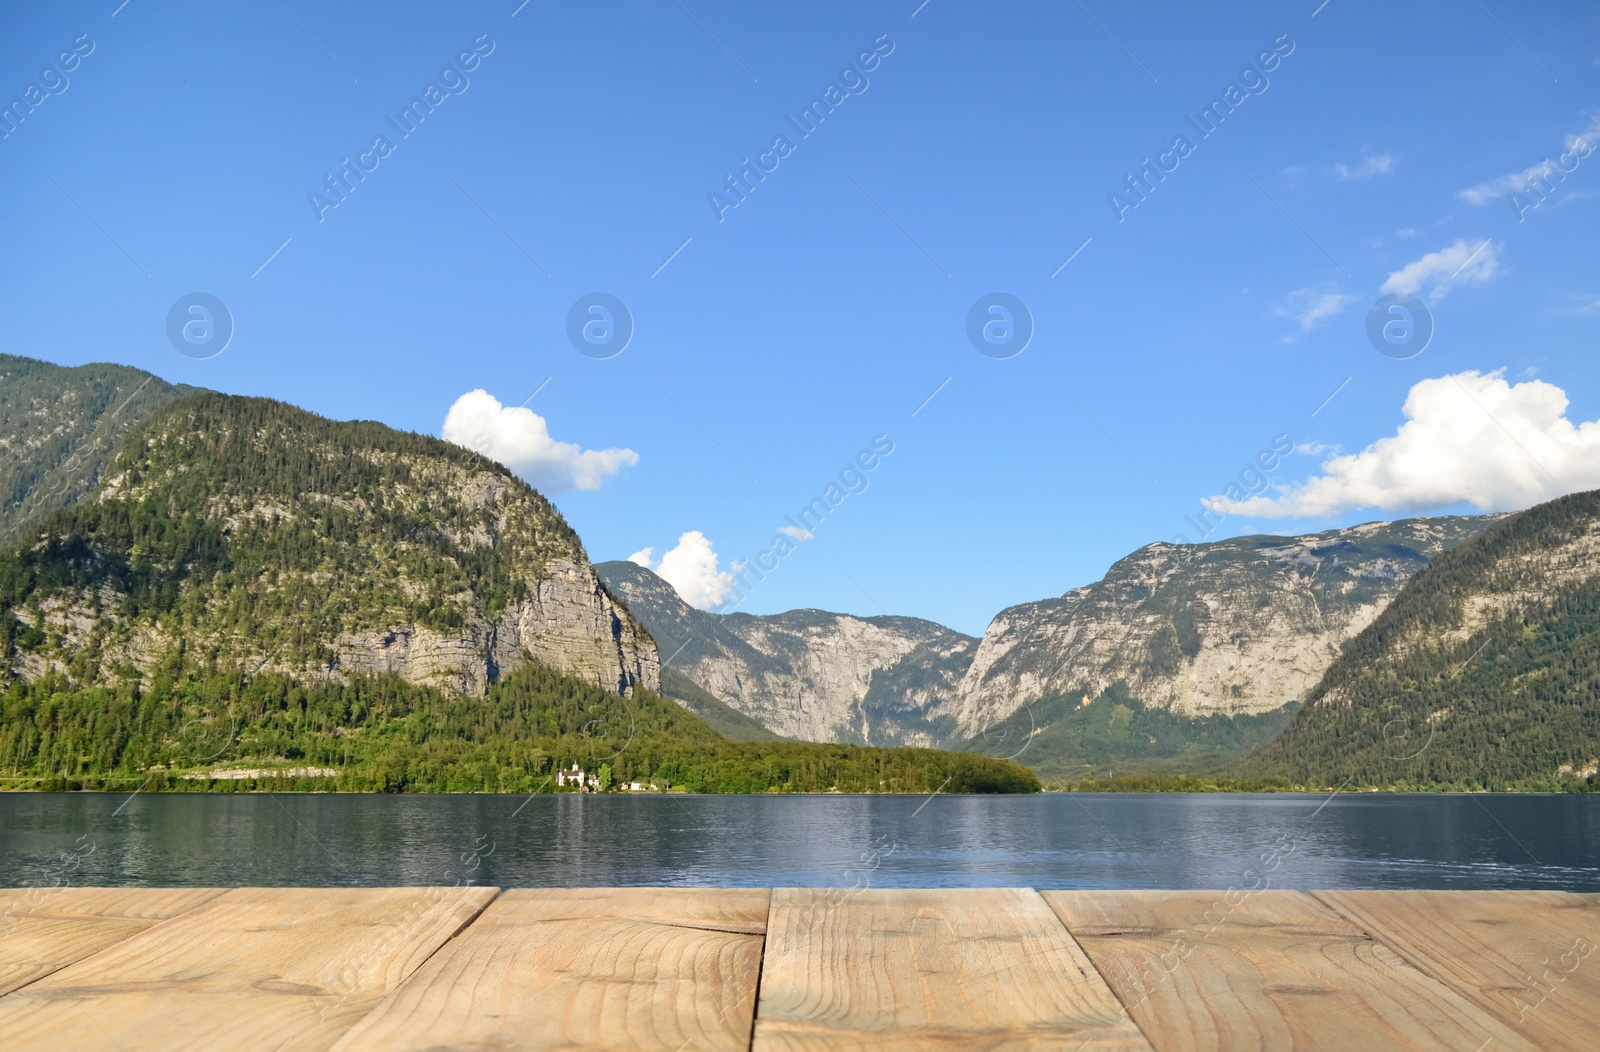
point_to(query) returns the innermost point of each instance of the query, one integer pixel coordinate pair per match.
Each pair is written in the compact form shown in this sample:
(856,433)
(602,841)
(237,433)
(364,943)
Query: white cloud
(1463,263)
(796,532)
(1382,164)
(691,569)
(1516,182)
(519,439)
(1544,174)
(1311,307)
(1586,304)
(1468,438)
(1409,231)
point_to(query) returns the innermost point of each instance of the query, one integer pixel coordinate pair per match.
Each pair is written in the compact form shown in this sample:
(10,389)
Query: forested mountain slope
(1483,672)
(246,533)
(59,429)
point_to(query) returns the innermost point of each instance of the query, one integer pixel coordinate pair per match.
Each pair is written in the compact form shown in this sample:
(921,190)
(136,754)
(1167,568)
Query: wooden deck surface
(792,969)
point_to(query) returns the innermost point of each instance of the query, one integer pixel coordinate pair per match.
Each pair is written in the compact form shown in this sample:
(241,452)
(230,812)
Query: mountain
(254,597)
(1232,628)
(1183,657)
(805,674)
(245,533)
(59,429)
(1484,672)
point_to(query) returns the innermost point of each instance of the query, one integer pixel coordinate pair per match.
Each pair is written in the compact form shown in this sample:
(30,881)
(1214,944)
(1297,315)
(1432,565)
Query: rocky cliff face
(818,677)
(806,674)
(1231,627)
(568,622)
(250,534)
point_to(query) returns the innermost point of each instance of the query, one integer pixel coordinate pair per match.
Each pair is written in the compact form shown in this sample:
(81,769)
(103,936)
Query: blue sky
(976,156)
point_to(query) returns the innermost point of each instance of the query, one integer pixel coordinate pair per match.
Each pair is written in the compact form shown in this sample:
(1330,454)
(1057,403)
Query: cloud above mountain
(1468,438)
(691,569)
(520,439)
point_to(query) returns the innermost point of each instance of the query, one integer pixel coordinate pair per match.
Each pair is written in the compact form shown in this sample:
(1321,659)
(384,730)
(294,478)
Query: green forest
(385,735)
(1072,737)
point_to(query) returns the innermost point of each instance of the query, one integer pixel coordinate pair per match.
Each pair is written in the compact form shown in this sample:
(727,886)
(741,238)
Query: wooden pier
(680,969)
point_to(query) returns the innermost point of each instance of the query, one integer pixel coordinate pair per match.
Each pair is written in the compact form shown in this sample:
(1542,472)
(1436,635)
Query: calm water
(1051,841)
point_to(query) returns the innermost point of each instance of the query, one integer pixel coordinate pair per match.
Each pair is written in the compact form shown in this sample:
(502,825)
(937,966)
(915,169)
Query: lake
(1053,840)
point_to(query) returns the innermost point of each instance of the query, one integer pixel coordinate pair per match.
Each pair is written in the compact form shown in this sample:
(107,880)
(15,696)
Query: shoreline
(680,793)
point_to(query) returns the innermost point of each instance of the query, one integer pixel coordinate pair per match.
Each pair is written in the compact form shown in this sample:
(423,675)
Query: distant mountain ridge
(806,674)
(1233,627)
(1191,642)
(1484,672)
(61,426)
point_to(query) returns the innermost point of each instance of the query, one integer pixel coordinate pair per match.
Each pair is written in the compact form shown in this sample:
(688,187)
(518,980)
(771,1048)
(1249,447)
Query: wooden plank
(45,929)
(924,971)
(254,968)
(1266,969)
(586,968)
(1526,957)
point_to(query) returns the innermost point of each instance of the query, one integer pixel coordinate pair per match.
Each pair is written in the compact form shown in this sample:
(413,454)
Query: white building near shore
(576,776)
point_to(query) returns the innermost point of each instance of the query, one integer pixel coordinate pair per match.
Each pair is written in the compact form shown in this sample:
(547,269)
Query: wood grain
(925,971)
(1267,969)
(678,969)
(605,968)
(45,929)
(1527,957)
(253,968)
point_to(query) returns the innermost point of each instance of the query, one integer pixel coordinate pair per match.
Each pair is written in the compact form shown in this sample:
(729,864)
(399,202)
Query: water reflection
(1052,841)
